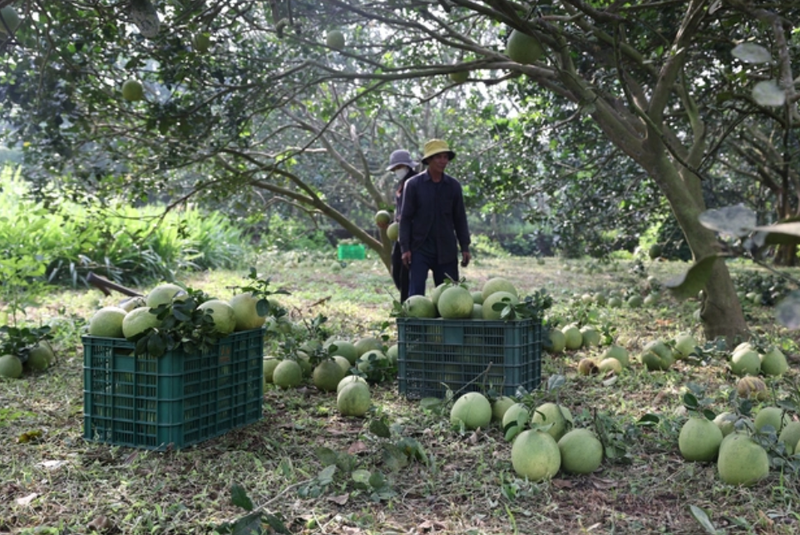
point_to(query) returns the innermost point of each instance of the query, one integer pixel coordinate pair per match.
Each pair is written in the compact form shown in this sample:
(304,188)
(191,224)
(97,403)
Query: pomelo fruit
(437,292)
(773,362)
(746,363)
(133,302)
(345,349)
(393,353)
(497,284)
(477,312)
(107,322)
(685,344)
(650,300)
(10,367)
(488,311)
(393,231)
(726,422)
(477,297)
(500,406)
(41,356)
(455,303)
(523,48)
(327,374)
(473,409)
(587,366)
(609,365)
(459,77)
(742,347)
(287,374)
(573,339)
(617,352)
(343,363)
(772,416)
(132,90)
(581,452)
(269,365)
(535,455)
(335,39)
(752,387)
(741,461)
(600,298)
(350,379)
(163,294)
(790,436)
(367,343)
(246,313)
(304,361)
(656,356)
(419,306)
(554,341)
(590,337)
(382,217)
(699,439)
(654,251)
(354,399)
(138,321)
(552,413)
(223,315)
(10,18)
(372,363)
(635,301)
(614,302)
(518,415)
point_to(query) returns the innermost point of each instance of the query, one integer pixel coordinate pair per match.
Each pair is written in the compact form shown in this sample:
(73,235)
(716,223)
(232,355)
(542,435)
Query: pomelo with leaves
(498,284)
(554,341)
(245,309)
(41,356)
(473,409)
(222,313)
(552,413)
(163,294)
(502,297)
(138,321)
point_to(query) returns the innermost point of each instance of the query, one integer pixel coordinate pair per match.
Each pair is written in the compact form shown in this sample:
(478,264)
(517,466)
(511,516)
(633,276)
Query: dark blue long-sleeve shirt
(437,210)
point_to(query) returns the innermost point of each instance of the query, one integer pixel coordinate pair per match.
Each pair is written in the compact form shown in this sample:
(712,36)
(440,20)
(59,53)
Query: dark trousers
(399,272)
(418,274)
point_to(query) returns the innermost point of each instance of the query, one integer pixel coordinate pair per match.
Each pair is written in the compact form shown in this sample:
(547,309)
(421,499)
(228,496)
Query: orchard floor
(54,481)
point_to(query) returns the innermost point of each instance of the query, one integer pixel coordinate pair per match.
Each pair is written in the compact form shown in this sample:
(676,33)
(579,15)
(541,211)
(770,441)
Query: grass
(53,481)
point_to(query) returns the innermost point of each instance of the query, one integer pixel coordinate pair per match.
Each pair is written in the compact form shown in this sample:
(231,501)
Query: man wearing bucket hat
(401,164)
(433,221)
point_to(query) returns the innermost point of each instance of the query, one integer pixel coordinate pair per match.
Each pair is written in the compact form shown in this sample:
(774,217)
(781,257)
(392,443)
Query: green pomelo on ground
(581,452)
(587,366)
(699,440)
(617,352)
(741,461)
(138,321)
(726,422)
(752,387)
(393,353)
(41,356)
(132,90)
(107,322)
(477,312)
(488,311)
(746,363)
(771,416)
(590,337)
(477,297)
(459,77)
(587,298)
(223,315)
(368,343)
(654,362)
(343,363)
(163,294)
(473,409)
(10,367)
(327,374)
(552,413)
(382,217)
(555,342)
(11,19)
(345,349)
(287,374)
(132,303)
(304,360)
(393,231)
(455,302)
(335,39)
(635,301)
(573,339)
(269,365)
(517,414)
(535,455)
(609,365)
(523,48)
(246,313)
(354,399)
(773,362)
(600,298)
(790,436)
(497,284)
(685,344)
(650,300)
(500,406)
(350,379)
(371,363)
(419,306)
(742,347)
(614,302)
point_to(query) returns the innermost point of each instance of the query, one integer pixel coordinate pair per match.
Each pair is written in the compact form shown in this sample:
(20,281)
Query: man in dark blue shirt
(433,221)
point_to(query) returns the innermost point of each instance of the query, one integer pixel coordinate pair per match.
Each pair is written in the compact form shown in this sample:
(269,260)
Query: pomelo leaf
(780,233)
(751,53)
(379,429)
(702,518)
(767,93)
(326,476)
(240,498)
(649,419)
(788,311)
(737,220)
(694,280)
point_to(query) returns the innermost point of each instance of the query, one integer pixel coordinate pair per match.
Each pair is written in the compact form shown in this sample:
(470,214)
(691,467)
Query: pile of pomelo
(35,358)
(454,301)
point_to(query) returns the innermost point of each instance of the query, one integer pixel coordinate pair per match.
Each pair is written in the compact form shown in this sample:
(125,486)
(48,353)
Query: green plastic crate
(351,252)
(172,401)
(433,353)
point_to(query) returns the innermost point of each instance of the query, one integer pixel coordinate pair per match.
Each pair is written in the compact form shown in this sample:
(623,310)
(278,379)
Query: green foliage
(288,233)
(19,340)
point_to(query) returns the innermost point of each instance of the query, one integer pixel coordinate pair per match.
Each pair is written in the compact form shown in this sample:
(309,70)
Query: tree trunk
(786,255)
